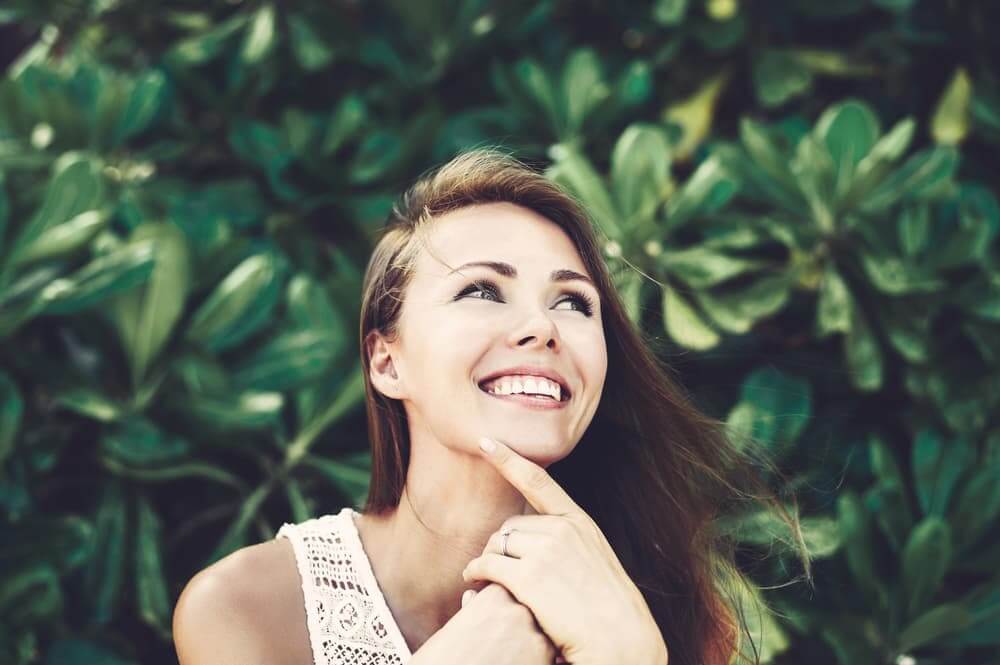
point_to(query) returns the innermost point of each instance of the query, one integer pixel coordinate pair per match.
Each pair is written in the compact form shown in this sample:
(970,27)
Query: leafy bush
(801,196)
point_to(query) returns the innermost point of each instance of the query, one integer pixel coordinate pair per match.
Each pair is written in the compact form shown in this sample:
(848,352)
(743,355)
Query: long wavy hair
(651,470)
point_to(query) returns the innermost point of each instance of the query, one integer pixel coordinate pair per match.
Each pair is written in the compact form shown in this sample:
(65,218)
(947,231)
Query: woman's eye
(491,292)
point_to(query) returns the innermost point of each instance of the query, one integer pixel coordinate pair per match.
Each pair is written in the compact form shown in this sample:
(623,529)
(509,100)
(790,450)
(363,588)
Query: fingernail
(487,444)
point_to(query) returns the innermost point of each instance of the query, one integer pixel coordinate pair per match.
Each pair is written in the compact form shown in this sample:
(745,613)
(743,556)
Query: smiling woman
(487,311)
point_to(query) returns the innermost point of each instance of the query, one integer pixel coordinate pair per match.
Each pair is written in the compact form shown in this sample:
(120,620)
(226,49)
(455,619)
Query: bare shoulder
(246,607)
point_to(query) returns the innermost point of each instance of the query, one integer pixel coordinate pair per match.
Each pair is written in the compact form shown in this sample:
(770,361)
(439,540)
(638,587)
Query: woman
(587,533)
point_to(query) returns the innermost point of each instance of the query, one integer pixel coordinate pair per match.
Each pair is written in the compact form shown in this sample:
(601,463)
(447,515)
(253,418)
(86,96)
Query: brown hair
(651,470)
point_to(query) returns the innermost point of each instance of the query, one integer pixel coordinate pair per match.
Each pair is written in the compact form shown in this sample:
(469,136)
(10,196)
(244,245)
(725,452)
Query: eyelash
(488,286)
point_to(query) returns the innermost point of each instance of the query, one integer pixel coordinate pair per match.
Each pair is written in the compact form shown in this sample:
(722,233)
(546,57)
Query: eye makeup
(585,302)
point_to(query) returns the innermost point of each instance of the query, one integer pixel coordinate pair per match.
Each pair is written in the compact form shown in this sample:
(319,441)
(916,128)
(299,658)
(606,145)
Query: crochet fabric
(347,616)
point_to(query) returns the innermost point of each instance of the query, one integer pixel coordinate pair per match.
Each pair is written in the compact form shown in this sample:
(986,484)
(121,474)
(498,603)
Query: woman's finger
(468,595)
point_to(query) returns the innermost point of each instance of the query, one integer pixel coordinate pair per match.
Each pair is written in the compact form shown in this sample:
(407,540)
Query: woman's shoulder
(251,601)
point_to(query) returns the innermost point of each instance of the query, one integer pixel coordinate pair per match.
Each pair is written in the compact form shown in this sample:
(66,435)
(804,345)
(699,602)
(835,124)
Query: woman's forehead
(498,232)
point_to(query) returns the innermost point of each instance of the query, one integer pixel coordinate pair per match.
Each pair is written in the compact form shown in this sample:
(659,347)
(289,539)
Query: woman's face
(454,333)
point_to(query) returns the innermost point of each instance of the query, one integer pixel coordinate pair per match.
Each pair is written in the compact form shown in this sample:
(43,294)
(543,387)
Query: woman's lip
(529,402)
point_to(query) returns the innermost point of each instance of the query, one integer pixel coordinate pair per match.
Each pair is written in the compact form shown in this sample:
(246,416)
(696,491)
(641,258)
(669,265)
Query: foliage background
(799,204)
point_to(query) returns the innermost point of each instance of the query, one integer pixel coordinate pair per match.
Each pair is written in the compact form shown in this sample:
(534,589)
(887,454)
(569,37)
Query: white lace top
(348,619)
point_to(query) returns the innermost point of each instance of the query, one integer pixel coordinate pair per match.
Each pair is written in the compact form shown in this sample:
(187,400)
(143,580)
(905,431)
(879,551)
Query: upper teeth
(534,385)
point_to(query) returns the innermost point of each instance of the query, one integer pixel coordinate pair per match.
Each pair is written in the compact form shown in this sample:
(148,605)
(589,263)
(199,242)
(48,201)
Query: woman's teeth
(524,385)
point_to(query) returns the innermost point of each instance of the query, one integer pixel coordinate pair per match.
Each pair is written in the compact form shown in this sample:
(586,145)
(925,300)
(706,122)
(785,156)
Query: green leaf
(351,475)
(250,410)
(107,568)
(640,172)
(260,37)
(937,467)
(833,306)
(11,412)
(145,317)
(708,190)
(152,598)
(765,528)
(62,239)
(913,228)
(894,276)
(926,559)
(573,171)
(344,124)
(926,174)
(119,270)
(873,168)
(850,130)
(235,535)
(583,89)
(287,361)
(137,442)
(774,407)
(148,94)
(700,267)
(670,12)
(378,153)
(737,310)
(893,514)
(543,92)
(933,624)
(217,322)
(977,507)
(778,76)
(31,595)
(310,50)
(864,357)
(75,189)
(683,323)
(90,403)
(856,534)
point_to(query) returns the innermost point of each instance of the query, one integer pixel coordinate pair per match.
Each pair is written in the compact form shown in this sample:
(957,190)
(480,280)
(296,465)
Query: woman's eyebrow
(507,270)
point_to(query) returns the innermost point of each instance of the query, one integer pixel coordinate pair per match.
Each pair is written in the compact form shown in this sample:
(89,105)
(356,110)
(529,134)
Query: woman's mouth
(539,402)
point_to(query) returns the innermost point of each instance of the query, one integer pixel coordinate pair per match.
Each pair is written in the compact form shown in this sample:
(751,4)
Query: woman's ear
(382,369)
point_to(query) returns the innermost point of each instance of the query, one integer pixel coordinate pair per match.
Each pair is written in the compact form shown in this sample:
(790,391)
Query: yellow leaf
(950,123)
(694,115)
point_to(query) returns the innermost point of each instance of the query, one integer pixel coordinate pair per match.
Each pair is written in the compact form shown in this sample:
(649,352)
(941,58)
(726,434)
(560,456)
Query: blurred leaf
(103,277)
(11,412)
(937,467)
(145,317)
(774,407)
(779,76)
(260,37)
(139,443)
(151,585)
(933,624)
(75,189)
(684,325)
(670,12)
(864,357)
(695,114)
(105,573)
(61,239)
(856,534)
(238,304)
(287,361)
(310,50)
(950,122)
(708,189)
(640,172)
(926,559)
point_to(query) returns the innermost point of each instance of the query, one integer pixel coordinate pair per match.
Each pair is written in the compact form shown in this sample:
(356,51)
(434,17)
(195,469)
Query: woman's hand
(560,565)
(492,627)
